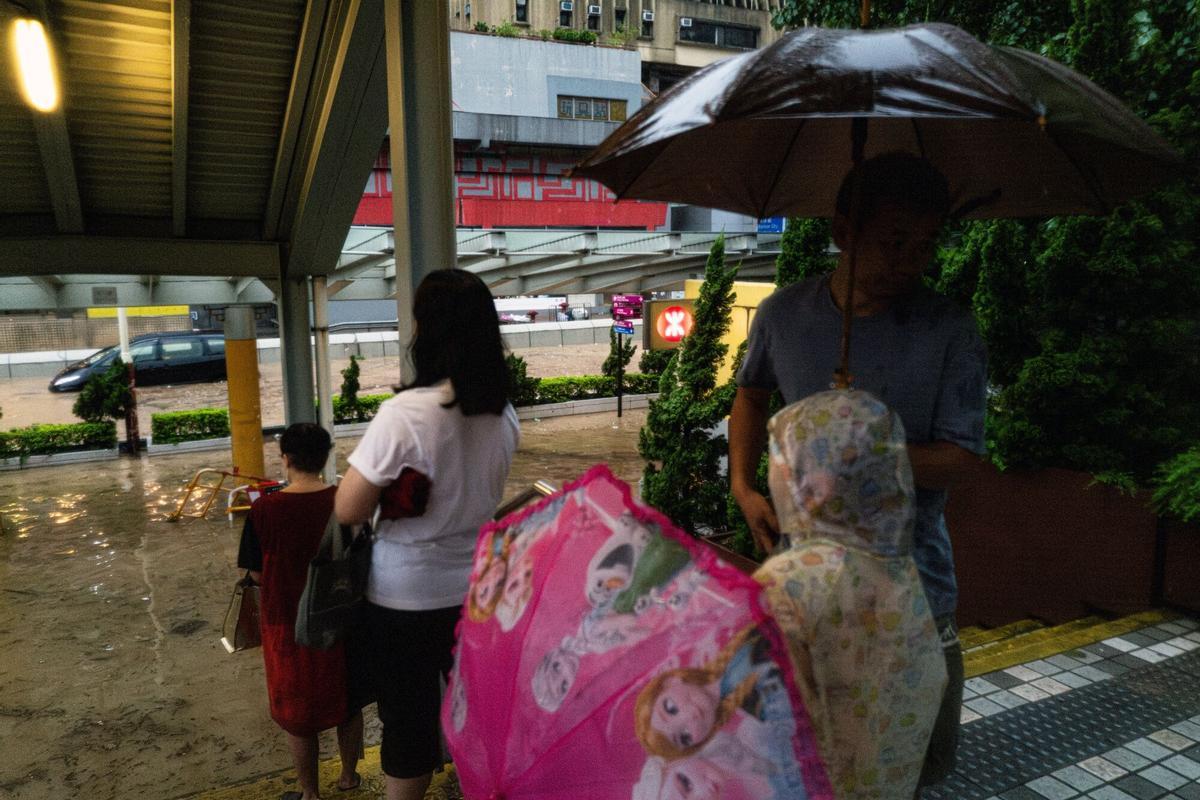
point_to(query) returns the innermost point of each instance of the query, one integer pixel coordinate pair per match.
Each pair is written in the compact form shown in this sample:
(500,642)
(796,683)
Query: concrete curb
(57,459)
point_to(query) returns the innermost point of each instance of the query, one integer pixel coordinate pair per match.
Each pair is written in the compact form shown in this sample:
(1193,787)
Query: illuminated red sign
(674,323)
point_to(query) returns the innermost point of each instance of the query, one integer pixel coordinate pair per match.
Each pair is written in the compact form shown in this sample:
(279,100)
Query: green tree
(348,396)
(106,395)
(620,353)
(522,389)
(1093,339)
(654,362)
(803,251)
(683,475)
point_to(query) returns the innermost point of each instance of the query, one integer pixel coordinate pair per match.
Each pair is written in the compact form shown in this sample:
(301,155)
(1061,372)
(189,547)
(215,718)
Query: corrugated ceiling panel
(242,60)
(117,76)
(22,175)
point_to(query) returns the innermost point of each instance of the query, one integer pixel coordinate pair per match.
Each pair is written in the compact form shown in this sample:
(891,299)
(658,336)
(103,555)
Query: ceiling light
(35,64)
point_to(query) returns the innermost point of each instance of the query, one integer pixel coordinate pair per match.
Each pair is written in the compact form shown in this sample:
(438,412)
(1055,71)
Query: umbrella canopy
(604,654)
(768,133)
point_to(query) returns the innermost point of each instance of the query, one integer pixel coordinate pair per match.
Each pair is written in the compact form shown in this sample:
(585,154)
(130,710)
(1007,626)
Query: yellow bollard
(245,407)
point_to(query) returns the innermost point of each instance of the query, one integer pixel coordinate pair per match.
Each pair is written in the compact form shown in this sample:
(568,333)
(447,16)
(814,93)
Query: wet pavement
(113,682)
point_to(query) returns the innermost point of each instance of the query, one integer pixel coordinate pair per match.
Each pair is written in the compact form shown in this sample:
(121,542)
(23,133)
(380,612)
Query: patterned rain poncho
(845,590)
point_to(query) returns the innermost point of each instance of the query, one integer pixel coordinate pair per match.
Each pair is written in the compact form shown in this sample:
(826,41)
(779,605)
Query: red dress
(307,687)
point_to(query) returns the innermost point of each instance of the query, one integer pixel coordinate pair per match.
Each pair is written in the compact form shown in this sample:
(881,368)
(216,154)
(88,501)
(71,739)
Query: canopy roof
(194,137)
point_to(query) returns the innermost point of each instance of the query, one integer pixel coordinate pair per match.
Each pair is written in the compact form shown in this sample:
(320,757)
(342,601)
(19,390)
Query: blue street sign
(621,326)
(771,225)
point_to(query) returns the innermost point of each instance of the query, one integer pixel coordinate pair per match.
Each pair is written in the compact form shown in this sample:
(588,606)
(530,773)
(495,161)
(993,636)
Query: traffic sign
(623,327)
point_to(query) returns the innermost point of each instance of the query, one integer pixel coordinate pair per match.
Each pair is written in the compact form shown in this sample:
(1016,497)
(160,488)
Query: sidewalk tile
(1008,699)
(1023,673)
(983,706)
(1063,661)
(1103,768)
(1184,766)
(1099,672)
(1109,793)
(1043,667)
(1127,759)
(1171,739)
(1149,749)
(1119,643)
(1051,685)
(1167,649)
(1188,729)
(1183,643)
(1072,679)
(981,686)
(1078,779)
(967,715)
(1148,655)
(1052,788)
(1030,692)
(1166,778)
(1139,787)
(1003,679)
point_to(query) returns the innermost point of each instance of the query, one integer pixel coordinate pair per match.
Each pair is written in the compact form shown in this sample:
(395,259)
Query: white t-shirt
(423,563)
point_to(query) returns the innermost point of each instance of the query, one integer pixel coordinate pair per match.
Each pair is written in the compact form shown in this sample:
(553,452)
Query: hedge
(213,423)
(174,427)
(366,407)
(45,439)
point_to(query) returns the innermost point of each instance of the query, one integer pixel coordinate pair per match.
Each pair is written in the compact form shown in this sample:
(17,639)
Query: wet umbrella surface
(768,133)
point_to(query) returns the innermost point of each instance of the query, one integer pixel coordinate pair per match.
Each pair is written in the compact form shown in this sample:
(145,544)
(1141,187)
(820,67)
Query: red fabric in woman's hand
(406,496)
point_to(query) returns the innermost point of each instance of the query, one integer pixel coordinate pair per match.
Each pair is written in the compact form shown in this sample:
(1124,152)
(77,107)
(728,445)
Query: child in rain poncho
(847,595)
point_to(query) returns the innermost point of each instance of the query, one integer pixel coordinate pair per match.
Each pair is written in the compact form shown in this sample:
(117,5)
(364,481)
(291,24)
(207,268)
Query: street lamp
(35,64)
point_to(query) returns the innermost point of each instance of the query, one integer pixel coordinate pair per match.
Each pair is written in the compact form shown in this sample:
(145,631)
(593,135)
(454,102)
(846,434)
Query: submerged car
(158,358)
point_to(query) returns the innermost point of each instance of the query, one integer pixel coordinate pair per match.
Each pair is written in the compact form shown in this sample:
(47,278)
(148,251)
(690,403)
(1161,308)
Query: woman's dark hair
(307,446)
(458,337)
(895,178)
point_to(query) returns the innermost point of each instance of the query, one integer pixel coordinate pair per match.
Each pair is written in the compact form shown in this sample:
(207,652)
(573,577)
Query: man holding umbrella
(912,349)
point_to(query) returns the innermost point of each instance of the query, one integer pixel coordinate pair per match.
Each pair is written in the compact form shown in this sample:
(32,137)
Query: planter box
(1181,566)
(58,459)
(595,405)
(1050,545)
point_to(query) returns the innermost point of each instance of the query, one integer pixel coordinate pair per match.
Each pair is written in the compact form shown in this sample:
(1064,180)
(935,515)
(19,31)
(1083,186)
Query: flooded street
(113,682)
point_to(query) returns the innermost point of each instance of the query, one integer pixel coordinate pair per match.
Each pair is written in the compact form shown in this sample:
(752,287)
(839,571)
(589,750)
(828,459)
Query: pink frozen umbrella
(605,654)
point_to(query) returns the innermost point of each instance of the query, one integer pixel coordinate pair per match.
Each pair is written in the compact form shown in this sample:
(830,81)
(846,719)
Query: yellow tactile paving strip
(972,638)
(1051,641)
(987,651)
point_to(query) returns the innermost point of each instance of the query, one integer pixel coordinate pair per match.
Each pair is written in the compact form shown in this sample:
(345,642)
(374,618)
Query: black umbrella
(767,133)
(773,132)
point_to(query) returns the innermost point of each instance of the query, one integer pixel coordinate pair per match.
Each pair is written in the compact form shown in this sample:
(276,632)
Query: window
(564,19)
(180,348)
(594,108)
(735,37)
(593,22)
(522,12)
(216,345)
(619,16)
(142,351)
(371,187)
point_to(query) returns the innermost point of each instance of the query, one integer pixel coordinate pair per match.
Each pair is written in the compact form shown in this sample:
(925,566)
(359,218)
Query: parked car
(158,358)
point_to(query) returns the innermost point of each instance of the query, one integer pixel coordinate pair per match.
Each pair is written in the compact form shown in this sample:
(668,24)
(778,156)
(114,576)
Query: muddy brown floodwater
(113,682)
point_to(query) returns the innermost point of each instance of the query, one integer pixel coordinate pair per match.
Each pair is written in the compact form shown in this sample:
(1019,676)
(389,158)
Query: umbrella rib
(645,168)
(787,153)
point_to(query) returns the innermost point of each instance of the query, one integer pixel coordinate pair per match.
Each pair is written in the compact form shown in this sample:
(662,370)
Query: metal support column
(417,41)
(295,351)
(320,297)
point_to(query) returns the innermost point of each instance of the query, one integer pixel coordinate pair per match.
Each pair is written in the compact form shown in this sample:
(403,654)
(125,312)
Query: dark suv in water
(184,357)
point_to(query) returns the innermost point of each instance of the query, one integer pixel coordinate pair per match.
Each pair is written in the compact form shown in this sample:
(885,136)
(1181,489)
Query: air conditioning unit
(566,5)
(593,11)
(647,16)
(685,22)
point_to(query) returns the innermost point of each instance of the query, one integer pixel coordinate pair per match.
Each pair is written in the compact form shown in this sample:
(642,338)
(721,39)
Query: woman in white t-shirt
(453,425)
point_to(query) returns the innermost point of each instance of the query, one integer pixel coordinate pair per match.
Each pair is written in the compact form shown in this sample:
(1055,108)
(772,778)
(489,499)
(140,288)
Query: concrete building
(673,37)
(525,110)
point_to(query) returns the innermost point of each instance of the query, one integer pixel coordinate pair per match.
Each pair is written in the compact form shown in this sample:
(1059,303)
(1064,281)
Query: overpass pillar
(295,351)
(420,121)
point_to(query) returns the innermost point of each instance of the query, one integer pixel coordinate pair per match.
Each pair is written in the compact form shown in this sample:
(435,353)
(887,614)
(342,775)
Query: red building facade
(519,188)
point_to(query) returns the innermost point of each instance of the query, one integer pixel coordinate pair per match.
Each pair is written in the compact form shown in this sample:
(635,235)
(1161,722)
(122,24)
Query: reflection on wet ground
(112,680)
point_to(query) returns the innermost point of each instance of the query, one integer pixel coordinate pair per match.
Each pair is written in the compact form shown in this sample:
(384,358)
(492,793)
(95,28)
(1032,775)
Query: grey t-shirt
(923,357)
